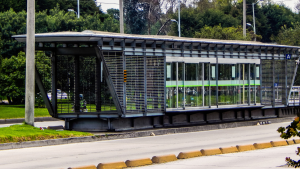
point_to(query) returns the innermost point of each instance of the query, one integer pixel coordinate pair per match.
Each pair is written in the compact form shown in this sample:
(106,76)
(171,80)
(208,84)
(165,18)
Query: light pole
(254,19)
(179,31)
(178,23)
(72,10)
(78,9)
(244,18)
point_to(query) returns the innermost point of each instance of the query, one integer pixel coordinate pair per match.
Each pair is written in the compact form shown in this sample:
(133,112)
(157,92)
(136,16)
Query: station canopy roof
(94,36)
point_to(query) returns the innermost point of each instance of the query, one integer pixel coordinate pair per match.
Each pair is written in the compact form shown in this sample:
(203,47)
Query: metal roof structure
(94,36)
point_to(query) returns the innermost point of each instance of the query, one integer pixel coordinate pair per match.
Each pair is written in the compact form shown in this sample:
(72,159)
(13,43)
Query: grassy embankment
(23,132)
(18,111)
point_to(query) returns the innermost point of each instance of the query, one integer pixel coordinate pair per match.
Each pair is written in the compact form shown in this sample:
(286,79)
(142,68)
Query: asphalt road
(271,158)
(79,154)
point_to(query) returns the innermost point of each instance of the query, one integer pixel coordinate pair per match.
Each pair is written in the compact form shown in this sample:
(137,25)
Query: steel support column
(76,85)
(53,85)
(249,85)
(98,84)
(43,92)
(273,82)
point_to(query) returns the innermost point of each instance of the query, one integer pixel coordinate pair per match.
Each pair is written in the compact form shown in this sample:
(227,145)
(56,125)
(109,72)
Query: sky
(105,4)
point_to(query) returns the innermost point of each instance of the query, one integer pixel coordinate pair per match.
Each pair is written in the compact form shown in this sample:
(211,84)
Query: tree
(291,130)
(135,16)
(12,78)
(87,7)
(227,33)
(193,20)
(14,23)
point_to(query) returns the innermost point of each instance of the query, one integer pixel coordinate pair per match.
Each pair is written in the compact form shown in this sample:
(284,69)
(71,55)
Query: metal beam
(53,85)
(43,92)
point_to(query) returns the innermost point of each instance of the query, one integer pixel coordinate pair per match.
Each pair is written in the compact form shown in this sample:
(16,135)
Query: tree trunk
(9,100)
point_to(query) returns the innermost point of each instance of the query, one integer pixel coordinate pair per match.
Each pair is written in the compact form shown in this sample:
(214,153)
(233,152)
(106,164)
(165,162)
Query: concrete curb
(185,155)
(138,162)
(164,158)
(134,134)
(181,155)
(21,120)
(84,167)
(115,165)
(209,152)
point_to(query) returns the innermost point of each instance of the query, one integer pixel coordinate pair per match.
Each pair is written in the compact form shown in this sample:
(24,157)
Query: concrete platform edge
(133,134)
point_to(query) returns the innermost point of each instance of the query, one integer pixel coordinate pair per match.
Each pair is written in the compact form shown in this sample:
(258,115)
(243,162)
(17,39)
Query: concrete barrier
(248,147)
(208,152)
(279,143)
(164,159)
(138,162)
(262,145)
(229,150)
(115,165)
(190,154)
(290,142)
(297,141)
(84,167)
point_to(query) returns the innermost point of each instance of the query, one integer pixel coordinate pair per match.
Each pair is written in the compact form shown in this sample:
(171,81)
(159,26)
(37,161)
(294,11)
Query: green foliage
(227,33)
(87,7)
(135,16)
(288,35)
(193,20)
(12,78)
(14,23)
(291,130)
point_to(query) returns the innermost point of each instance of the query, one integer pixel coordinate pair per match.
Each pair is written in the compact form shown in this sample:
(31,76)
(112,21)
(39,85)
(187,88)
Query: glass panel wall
(227,84)
(181,74)
(171,85)
(213,85)
(193,84)
(257,83)
(205,84)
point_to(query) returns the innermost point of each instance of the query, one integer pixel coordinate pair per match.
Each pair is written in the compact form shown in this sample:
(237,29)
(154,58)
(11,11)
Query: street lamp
(178,19)
(178,23)
(254,18)
(72,10)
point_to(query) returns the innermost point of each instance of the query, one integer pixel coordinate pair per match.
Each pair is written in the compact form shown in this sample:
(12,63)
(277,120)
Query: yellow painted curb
(229,150)
(84,167)
(279,143)
(138,162)
(115,165)
(262,145)
(248,147)
(164,159)
(297,141)
(184,155)
(290,142)
(208,152)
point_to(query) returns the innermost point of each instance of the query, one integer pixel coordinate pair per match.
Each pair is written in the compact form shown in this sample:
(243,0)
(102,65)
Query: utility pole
(121,16)
(30,63)
(244,18)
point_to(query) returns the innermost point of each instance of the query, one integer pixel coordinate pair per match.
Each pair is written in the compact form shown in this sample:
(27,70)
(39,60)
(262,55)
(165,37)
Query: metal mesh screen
(65,84)
(279,77)
(155,84)
(114,63)
(135,85)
